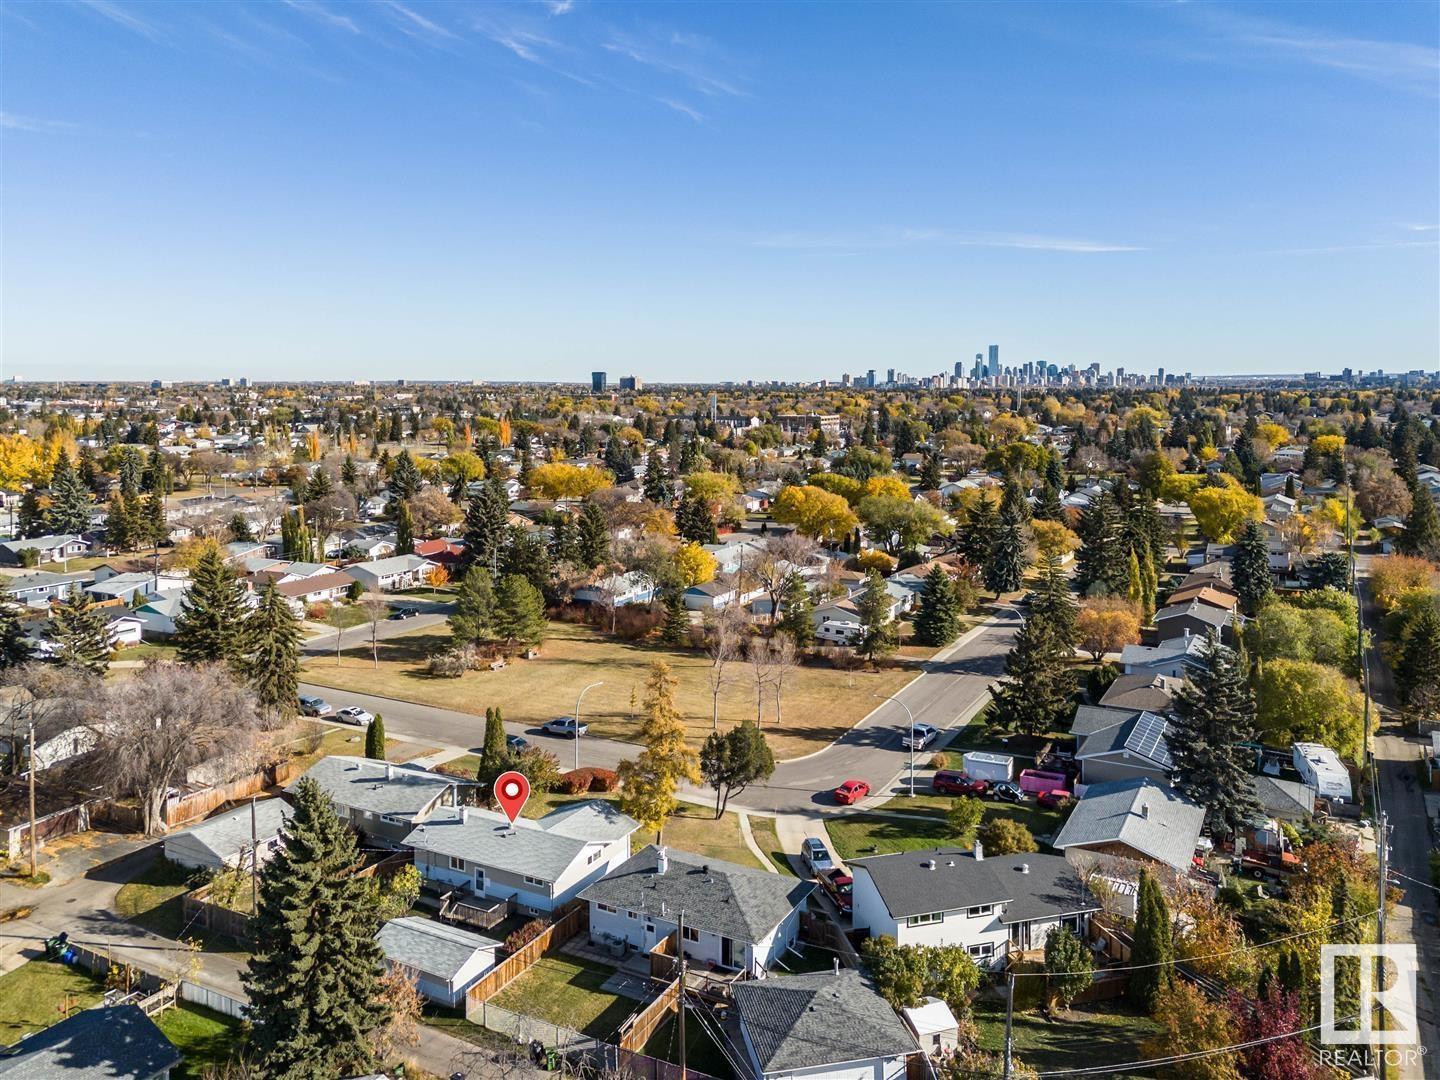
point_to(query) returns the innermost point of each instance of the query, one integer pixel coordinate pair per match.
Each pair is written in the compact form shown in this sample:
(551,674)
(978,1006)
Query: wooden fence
(71,820)
(635,1032)
(198,910)
(549,939)
(186,808)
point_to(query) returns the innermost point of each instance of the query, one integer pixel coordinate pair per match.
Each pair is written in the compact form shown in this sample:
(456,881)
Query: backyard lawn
(856,835)
(701,1051)
(1105,1033)
(819,703)
(32,996)
(566,990)
(152,898)
(207,1039)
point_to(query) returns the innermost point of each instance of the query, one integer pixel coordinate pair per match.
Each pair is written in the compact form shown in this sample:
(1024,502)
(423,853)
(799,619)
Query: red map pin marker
(511,791)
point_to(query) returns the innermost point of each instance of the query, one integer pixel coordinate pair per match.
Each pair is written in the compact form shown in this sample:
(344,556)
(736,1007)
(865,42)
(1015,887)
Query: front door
(479,881)
(1020,936)
(727,953)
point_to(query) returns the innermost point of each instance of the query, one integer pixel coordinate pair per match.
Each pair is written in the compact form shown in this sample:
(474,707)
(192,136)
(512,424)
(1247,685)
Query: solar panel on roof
(1147,739)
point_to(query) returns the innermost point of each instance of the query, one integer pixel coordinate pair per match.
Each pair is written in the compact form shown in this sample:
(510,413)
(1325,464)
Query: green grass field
(33,996)
(207,1039)
(855,835)
(566,990)
(1105,1033)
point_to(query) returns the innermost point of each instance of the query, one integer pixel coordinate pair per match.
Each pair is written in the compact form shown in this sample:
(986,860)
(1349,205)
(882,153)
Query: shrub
(452,663)
(526,934)
(940,761)
(1099,678)
(603,780)
(1005,836)
(575,781)
(634,622)
(318,612)
(355,593)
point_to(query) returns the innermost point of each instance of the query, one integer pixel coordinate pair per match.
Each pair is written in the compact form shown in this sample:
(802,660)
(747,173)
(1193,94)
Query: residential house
(735,918)
(542,863)
(445,961)
(828,1025)
(1279,507)
(39,587)
(320,589)
(132,585)
(124,628)
(1122,745)
(838,621)
(620,590)
(382,800)
(227,840)
(1137,819)
(50,548)
(367,545)
(158,614)
(107,1042)
(1285,800)
(1155,693)
(388,575)
(447,551)
(1193,619)
(989,905)
(1223,598)
(240,550)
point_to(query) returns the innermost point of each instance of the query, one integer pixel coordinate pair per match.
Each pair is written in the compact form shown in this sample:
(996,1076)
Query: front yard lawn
(763,829)
(855,835)
(1032,815)
(1100,1034)
(31,997)
(566,990)
(207,1039)
(819,704)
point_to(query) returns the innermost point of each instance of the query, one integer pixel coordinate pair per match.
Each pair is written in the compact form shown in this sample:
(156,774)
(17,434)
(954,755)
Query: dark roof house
(118,1042)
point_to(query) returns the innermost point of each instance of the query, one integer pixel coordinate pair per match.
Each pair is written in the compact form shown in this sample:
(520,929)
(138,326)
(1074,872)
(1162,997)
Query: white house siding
(502,885)
(644,931)
(955,928)
(887,1068)
(452,993)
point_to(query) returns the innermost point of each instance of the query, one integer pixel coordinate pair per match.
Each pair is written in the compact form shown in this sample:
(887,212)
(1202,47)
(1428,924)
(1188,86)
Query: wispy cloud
(674,53)
(559,7)
(120,17)
(12,122)
(321,14)
(873,239)
(681,107)
(416,25)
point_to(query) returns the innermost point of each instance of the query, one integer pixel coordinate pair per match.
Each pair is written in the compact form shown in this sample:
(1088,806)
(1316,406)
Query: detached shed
(445,960)
(986,766)
(222,841)
(934,1025)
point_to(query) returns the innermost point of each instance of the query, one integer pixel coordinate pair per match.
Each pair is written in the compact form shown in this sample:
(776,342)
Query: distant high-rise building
(890,376)
(630,382)
(1160,376)
(597,382)
(994,364)
(870,378)
(959,369)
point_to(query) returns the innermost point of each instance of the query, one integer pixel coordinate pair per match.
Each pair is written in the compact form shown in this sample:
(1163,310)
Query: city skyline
(535,191)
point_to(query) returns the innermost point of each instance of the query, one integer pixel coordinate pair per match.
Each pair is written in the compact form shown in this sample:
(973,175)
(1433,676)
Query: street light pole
(579,698)
(897,701)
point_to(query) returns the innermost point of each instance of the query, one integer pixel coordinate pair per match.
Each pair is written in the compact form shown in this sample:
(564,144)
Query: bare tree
(55,699)
(722,647)
(784,658)
(781,556)
(165,720)
(376,607)
(760,654)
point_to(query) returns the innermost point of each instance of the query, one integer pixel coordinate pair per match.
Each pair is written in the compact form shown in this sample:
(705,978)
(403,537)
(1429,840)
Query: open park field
(817,705)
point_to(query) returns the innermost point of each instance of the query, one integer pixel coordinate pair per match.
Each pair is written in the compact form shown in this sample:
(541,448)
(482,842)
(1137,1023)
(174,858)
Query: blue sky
(699,191)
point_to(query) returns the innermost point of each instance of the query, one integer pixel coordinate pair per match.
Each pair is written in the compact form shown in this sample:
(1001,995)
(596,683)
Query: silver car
(565,725)
(354,715)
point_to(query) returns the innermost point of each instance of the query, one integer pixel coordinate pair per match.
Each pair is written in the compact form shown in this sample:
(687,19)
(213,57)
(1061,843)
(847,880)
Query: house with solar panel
(1121,744)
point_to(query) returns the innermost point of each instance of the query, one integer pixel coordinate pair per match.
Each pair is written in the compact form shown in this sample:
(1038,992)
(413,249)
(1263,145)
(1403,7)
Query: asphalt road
(432,613)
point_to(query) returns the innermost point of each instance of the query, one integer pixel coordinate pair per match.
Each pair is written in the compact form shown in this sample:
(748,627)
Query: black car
(401,614)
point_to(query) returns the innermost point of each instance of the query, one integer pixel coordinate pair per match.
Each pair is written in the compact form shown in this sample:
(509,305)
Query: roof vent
(1024,868)
(389,772)
(836,961)
(949,862)
(464,815)
(1145,810)
(662,861)
(979,851)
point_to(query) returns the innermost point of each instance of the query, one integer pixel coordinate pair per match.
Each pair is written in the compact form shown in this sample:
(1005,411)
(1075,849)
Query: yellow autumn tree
(694,564)
(648,782)
(556,480)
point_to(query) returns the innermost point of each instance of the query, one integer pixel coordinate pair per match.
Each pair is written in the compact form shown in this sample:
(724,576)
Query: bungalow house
(827,1025)
(38,588)
(130,586)
(620,590)
(1124,745)
(541,863)
(320,589)
(735,918)
(387,575)
(1193,619)
(446,551)
(989,905)
(711,596)
(838,623)
(1279,507)
(225,840)
(381,800)
(122,625)
(363,545)
(49,548)
(1135,819)
(1206,593)
(240,550)
(108,1042)
(1142,691)
(445,961)
(158,614)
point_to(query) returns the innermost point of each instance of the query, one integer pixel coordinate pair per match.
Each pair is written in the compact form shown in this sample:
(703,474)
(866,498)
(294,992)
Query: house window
(633,915)
(976,912)
(691,934)
(536,882)
(606,908)
(982,952)
(925,920)
(457,864)
(595,856)
(393,819)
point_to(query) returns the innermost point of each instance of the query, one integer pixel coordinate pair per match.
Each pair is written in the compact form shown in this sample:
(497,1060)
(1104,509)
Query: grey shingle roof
(228,833)
(430,947)
(1284,797)
(1154,820)
(1206,613)
(540,848)
(375,786)
(1142,734)
(909,886)
(1092,718)
(1142,691)
(802,1021)
(733,901)
(115,1043)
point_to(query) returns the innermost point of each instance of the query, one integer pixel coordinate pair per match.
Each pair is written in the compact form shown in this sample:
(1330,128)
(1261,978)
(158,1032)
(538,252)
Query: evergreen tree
(473,620)
(1417,672)
(404,530)
(153,528)
(658,488)
(562,539)
(937,623)
(1004,571)
(30,519)
(1048,506)
(349,472)
(1330,571)
(797,615)
(120,524)
(319,485)
(732,761)
(1013,505)
(239,529)
(211,623)
(1214,715)
(1101,564)
(314,977)
(1251,569)
(675,630)
(618,460)
(1054,473)
(877,633)
(375,739)
(695,522)
(1035,696)
(14,649)
(527,555)
(1345,930)
(930,476)
(486,517)
(1152,955)
(1422,526)
(81,634)
(405,480)
(494,753)
(519,612)
(273,667)
(977,535)
(593,542)
(1054,605)
(69,509)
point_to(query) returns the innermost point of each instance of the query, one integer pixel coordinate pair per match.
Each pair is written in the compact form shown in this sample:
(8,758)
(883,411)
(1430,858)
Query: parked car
(840,886)
(315,706)
(400,614)
(354,715)
(951,782)
(1007,792)
(516,743)
(919,737)
(851,791)
(1053,800)
(816,855)
(565,725)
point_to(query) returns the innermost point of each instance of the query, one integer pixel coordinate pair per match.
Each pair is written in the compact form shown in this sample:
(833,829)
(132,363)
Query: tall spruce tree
(694,521)
(1102,563)
(69,509)
(1251,569)
(1004,571)
(1054,605)
(485,525)
(1152,955)
(937,623)
(404,530)
(1215,714)
(519,612)
(797,615)
(877,631)
(930,475)
(977,535)
(473,620)
(211,624)
(314,976)
(1035,696)
(1422,526)
(1417,671)
(658,488)
(81,634)
(14,648)
(675,630)
(593,542)
(273,666)
(405,479)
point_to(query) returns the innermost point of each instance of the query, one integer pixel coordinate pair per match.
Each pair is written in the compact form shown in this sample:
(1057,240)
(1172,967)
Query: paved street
(432,613)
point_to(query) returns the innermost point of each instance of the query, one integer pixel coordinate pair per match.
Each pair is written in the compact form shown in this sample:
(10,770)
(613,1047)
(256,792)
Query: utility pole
(680,1003)
(1009,1017)
(254,861)
(34,835)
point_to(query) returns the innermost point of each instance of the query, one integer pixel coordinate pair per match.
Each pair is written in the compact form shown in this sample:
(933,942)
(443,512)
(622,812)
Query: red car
(839,885)
(851,791)
(950,782)
(1054,800)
